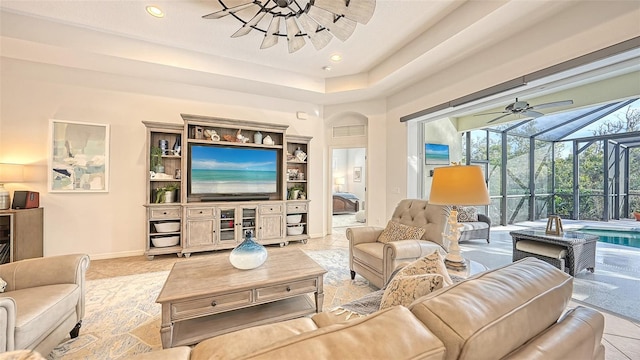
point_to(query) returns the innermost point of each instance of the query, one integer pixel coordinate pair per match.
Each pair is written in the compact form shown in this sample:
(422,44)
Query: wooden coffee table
(208,297)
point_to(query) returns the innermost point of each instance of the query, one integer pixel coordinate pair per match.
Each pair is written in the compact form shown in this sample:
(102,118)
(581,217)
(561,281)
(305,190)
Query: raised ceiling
(405,42)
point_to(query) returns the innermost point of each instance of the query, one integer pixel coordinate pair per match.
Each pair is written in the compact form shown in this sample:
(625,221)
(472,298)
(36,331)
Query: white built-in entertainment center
(211,179)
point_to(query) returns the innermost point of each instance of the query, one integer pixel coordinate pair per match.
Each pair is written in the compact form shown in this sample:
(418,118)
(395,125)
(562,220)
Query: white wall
(113,224)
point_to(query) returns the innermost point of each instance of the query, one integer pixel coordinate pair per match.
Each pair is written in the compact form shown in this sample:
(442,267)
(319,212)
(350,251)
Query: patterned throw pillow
(430,264)
(467,214)
(396,231)
(403,290)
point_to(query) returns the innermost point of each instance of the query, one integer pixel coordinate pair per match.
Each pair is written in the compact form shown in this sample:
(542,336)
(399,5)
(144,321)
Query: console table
(577,250)
(209,297)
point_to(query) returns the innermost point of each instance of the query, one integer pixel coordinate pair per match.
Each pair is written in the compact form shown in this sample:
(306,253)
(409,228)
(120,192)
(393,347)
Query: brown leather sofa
(514,312)
(375,261)
(43,302)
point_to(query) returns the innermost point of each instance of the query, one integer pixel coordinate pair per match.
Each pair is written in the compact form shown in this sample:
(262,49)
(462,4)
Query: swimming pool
(619,237)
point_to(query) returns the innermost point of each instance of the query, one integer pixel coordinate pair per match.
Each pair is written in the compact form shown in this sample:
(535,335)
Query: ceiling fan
(317,20)
(523,108)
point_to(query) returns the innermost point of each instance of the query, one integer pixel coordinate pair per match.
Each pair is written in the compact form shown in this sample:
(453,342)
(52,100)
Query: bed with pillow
(345,203)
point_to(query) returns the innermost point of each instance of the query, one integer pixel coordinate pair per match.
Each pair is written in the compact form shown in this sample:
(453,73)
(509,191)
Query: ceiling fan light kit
(317,20)
(523,108)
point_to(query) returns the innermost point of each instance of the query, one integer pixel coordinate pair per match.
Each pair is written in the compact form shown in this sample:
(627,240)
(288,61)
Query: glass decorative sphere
(249,254)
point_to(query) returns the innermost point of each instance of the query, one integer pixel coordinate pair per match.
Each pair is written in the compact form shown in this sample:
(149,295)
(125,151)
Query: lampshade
(340,181)
(458,185)
(10,173)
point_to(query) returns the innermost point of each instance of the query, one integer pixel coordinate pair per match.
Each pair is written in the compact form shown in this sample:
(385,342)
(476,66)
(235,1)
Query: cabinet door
(228,226)
(248,219)
(270,227)
(271,220)
(200,232)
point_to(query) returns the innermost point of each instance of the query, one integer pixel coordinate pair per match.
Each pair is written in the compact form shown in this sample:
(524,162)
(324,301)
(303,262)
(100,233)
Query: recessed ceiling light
(155,11)
(336,57)
(326,68)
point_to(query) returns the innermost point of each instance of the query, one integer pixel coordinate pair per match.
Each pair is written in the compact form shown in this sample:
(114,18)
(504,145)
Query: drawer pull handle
(288,288)
(213,303)
(200,211)
(164,213)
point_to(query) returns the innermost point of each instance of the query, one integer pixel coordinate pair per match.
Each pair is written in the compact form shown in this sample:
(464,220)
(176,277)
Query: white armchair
(43,302)
(375,261)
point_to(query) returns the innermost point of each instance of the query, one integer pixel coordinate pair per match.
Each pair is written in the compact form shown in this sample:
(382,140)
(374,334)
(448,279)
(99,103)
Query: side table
(580,248)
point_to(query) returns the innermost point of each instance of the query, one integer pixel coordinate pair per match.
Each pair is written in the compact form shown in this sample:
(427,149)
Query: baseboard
(116,255)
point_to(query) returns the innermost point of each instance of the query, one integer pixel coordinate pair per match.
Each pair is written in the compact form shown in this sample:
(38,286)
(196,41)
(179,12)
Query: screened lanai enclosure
(582,164)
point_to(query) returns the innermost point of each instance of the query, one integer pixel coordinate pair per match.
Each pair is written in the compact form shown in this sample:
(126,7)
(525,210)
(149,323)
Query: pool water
(618,237)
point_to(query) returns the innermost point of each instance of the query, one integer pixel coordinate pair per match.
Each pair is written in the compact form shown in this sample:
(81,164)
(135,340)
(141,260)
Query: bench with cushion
(474,225)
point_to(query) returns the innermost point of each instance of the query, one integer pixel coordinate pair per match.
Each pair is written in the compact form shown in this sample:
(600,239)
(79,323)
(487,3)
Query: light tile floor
(621,336)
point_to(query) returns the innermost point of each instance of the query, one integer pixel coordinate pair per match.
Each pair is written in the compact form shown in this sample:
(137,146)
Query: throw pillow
(467,214)
(396,231)
(430,264)
(3,285)
(403,290)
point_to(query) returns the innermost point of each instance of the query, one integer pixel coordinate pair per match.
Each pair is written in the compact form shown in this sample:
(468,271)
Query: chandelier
(318,20)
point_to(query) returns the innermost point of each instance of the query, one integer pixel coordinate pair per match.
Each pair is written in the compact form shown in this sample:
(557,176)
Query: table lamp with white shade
(339,182)
(457,185)
(9,173)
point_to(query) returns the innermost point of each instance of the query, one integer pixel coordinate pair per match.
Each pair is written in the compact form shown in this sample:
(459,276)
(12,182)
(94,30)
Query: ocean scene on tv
(436,154)
(226,170)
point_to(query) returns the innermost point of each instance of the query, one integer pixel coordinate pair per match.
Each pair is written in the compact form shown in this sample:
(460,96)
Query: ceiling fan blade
(341,28)
(319,39)
(532,113)
(246,28)
(360,11)
(295,42)
(271,36)
(492,113)
(498,118)
(227,11)
(552,104)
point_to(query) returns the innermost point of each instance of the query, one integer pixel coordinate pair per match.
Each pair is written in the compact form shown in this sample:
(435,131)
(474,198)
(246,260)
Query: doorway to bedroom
(349,181)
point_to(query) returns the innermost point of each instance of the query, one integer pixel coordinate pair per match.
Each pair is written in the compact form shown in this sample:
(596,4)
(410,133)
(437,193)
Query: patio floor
(614,288)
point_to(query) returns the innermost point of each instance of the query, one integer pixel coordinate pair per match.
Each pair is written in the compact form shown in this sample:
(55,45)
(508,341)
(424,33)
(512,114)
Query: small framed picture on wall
(436,154)
(357,174)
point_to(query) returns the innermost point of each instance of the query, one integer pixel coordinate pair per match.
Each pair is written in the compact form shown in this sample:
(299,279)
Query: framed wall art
(79,157)
(357,174)
(436,154)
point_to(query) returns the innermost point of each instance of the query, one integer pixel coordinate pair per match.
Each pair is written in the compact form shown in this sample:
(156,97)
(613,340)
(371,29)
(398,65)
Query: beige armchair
(42,303)
(375,261)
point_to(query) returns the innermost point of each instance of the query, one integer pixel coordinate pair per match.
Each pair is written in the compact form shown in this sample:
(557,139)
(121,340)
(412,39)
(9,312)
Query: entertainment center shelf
(221,178)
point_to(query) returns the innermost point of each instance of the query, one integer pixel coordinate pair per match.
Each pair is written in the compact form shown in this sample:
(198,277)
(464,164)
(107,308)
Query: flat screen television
(219,173)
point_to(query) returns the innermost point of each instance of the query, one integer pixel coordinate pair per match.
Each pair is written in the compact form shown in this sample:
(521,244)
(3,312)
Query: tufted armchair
(375,261)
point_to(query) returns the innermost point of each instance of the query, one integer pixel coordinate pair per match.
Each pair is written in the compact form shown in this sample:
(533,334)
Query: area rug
(122,318)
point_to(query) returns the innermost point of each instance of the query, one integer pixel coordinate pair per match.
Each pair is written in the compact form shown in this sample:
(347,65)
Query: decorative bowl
(167,226)
(294,219)
(165,241)
(295,230)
